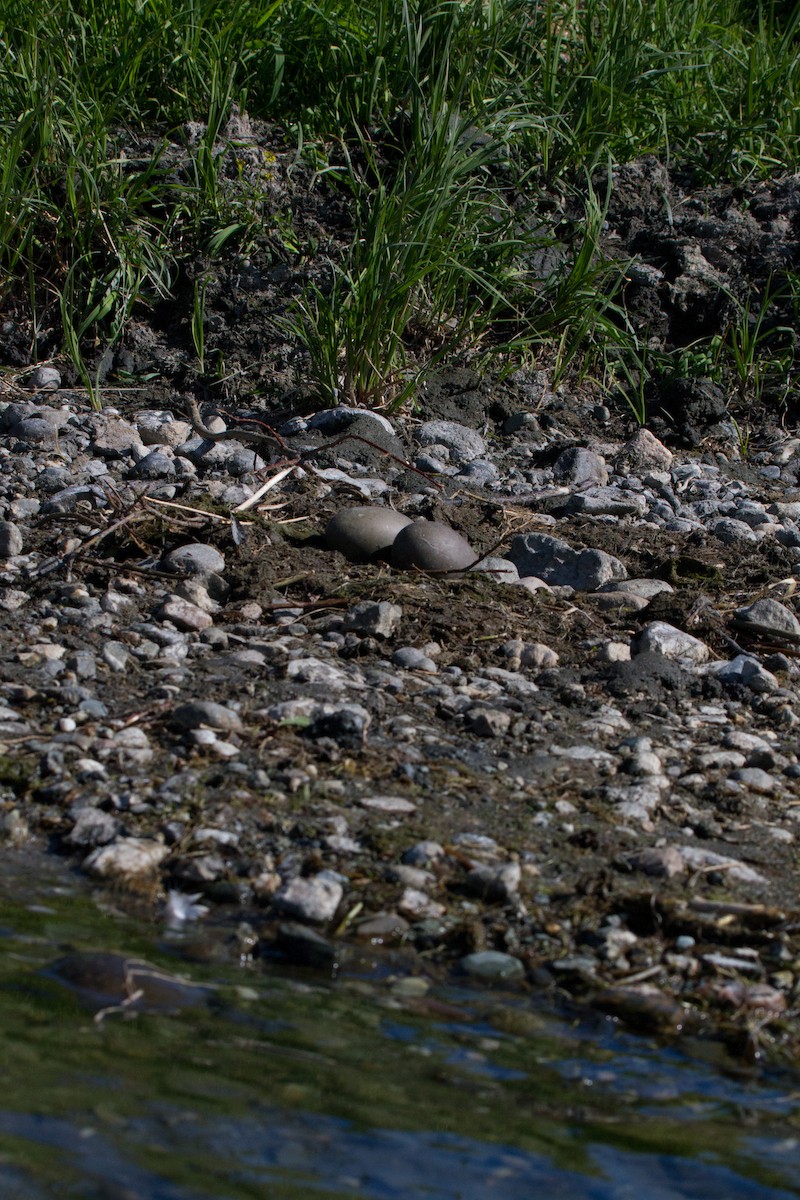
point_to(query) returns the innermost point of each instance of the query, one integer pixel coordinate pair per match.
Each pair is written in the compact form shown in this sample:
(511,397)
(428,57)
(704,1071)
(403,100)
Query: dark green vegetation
(463,140)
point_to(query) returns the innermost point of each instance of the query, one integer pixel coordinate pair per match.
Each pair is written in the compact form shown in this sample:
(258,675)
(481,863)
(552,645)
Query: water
(285,1086)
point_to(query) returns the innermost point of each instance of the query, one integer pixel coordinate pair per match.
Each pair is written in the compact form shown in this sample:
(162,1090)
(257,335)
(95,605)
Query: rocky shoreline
(572,768)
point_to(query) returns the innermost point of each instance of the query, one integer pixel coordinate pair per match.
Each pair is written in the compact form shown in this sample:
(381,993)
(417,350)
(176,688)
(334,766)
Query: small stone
(419,906)
(488,722)
(126,857)
(361,533)
(315,899)
(396,805)
(184,615)
(155,465)
(198,714)
(768,617)
(660,638)
(644,451)
(665,862)
(10,539)
(579,467)
(195,558)
(431,546)
(410,658)
(463,443)
(492,966)
(496,885)
(44,379)
(755,780)
(376,620)
(501,570)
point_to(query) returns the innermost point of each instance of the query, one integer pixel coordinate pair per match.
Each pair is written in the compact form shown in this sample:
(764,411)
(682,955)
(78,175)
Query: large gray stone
(364,531)
(431,546)
(768,618)
(556,562)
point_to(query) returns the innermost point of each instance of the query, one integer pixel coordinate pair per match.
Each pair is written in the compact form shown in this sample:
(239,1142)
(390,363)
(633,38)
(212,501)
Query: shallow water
(289,1086)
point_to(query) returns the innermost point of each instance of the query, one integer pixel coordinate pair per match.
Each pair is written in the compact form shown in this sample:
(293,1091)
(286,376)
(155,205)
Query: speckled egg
(361,533)
(431,546)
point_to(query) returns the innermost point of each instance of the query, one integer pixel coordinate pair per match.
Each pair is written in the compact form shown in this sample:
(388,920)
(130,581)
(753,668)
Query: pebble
(206,714)
(768,617)
(661,638)
(126,857)
(315,899)
(492,966)
(464,444)
(394,805)
(11,540)
(195,558)
(376,619)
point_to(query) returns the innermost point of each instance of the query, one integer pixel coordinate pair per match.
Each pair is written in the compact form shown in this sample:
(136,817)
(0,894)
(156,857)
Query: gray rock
(660,638)
(464,444)
(644,451)
(315,899)
(317,671)
(155,465)
(431,546)
(663,861)
(606,502)
(362,532)
(768,617)
(10,539)
(93,827)
(44,379)
(115,438)
(377,620)
(748,672)
(423,854)
(730,532)
(195,558)
(501,570)
(410,658)
(556,562)
(206,714)
(493,967)
(755,780)
(184,615)
(579,466)
(125,858)
(639,587)
(495,884)
(488,722)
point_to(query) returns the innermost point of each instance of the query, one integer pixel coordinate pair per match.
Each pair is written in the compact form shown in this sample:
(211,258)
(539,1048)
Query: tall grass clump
(445,121)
